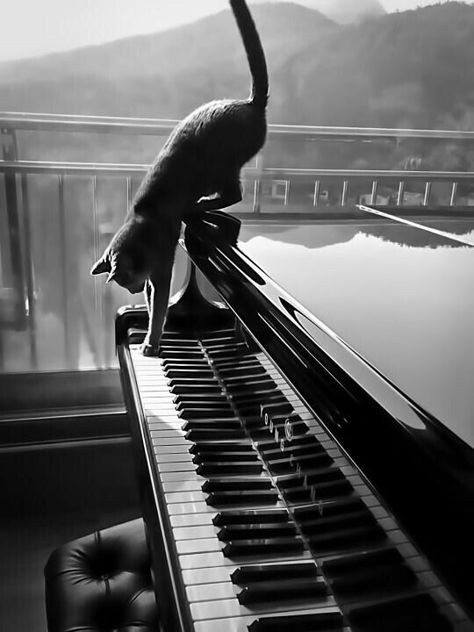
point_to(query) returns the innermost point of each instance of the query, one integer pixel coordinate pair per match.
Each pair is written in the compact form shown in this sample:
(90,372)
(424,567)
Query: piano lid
(400,296)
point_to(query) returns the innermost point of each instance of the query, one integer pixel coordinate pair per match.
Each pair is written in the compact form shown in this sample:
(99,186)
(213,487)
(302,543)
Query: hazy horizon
(48,26)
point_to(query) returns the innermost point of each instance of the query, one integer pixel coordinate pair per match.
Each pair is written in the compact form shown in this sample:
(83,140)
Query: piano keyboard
(274,528)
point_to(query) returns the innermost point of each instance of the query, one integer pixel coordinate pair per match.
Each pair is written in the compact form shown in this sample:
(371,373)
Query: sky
(37,27)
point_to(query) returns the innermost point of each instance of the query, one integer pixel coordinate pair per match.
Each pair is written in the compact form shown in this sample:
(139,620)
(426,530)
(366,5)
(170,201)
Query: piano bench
(102,581)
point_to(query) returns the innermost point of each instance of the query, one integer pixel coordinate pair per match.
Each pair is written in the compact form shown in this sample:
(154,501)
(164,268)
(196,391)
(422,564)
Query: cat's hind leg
(227,196)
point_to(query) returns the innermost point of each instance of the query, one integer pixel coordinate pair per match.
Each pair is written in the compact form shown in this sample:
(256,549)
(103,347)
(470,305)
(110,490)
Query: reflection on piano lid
(286,484)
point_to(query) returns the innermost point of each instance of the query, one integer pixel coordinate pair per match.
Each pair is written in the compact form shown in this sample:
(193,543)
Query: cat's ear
(101,266)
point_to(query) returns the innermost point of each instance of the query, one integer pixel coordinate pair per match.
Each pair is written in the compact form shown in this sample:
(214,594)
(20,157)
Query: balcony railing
(56,215)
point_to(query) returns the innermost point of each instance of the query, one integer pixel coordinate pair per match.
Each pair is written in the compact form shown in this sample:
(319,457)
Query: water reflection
(402,299)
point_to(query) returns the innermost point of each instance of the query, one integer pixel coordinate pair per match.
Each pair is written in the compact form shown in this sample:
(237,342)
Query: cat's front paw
(150,350)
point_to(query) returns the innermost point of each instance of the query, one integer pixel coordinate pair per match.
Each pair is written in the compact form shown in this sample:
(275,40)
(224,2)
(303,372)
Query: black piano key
(198,399)
(196,383)
(289,465)
(270,546)
(175,339)
(168,353)
(235,383)
(302,443)
(265,446)
(254,398)
(238,468)
(318,622)
(250,517)
(244,371)
(318,492)
(207,457)
(239,498)
(331,523)
(209,434)
(256,531)
(198,372)
(277,454)
(418,613)
(211,424)
(277,409)
(373,582)
(344,566)
(345,538)
(259,432)
(311,477)
(281,591)
(244,389)
(234,350)
(206,413)
(246,362)
(236,484)
(216,403)
(247,575)
(224,448)
(313,512)
(193,362)
(279,421)
(204,389)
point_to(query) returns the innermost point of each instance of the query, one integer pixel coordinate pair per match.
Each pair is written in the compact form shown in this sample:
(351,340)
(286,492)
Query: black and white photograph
(236,316)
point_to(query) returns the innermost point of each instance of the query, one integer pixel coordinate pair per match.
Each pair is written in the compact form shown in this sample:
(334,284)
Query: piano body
(287,484)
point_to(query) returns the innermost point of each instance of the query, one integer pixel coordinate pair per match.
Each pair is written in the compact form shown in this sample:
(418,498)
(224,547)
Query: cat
(197,170)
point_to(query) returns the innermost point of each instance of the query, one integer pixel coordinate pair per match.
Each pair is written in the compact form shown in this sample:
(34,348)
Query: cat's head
(125,261)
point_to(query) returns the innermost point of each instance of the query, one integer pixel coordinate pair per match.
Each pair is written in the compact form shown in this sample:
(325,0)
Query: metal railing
(56,216)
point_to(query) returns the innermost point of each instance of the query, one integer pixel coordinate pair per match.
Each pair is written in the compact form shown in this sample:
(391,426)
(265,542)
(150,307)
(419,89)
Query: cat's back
(227,127)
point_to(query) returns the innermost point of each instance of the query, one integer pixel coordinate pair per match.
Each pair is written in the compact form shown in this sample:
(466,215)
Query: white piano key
(182,486)
(205,560)
(154,421)
(186,497)
(185,508)
(172,438)
(204,545)
(241,624)
(224,608)
(181,476)
(191,520)
(176,467)
(181,457)
(154,408)
(207,575)
(167,425)
(168,433)
(194,533)
(208,592)
(172,449)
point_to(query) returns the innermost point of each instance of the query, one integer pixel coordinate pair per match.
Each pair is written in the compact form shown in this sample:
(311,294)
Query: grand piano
(290,481)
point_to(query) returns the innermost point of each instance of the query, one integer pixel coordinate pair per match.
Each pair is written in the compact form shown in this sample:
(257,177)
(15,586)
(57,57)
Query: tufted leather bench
(102,582)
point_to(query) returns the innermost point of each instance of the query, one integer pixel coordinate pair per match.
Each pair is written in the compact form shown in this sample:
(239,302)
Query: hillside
(410,69)
(413,68)
(347,11)
(161,75)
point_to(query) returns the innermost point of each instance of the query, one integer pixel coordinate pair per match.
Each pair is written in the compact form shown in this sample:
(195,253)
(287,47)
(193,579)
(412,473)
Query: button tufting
(117,556)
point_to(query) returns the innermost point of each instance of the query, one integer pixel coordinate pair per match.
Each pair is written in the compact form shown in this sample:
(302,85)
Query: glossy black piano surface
(255,430)
(401,297)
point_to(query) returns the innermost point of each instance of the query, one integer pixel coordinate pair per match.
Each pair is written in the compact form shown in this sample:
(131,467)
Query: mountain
(347,11)
(211,41)
(407,69)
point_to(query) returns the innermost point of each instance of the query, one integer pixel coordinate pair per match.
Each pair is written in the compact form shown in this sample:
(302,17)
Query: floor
(48,497)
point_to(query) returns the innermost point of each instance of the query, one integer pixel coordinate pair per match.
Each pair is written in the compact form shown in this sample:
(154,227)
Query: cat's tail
(254,50)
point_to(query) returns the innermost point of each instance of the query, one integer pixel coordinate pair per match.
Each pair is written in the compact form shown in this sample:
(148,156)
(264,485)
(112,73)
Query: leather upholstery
(102,582)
